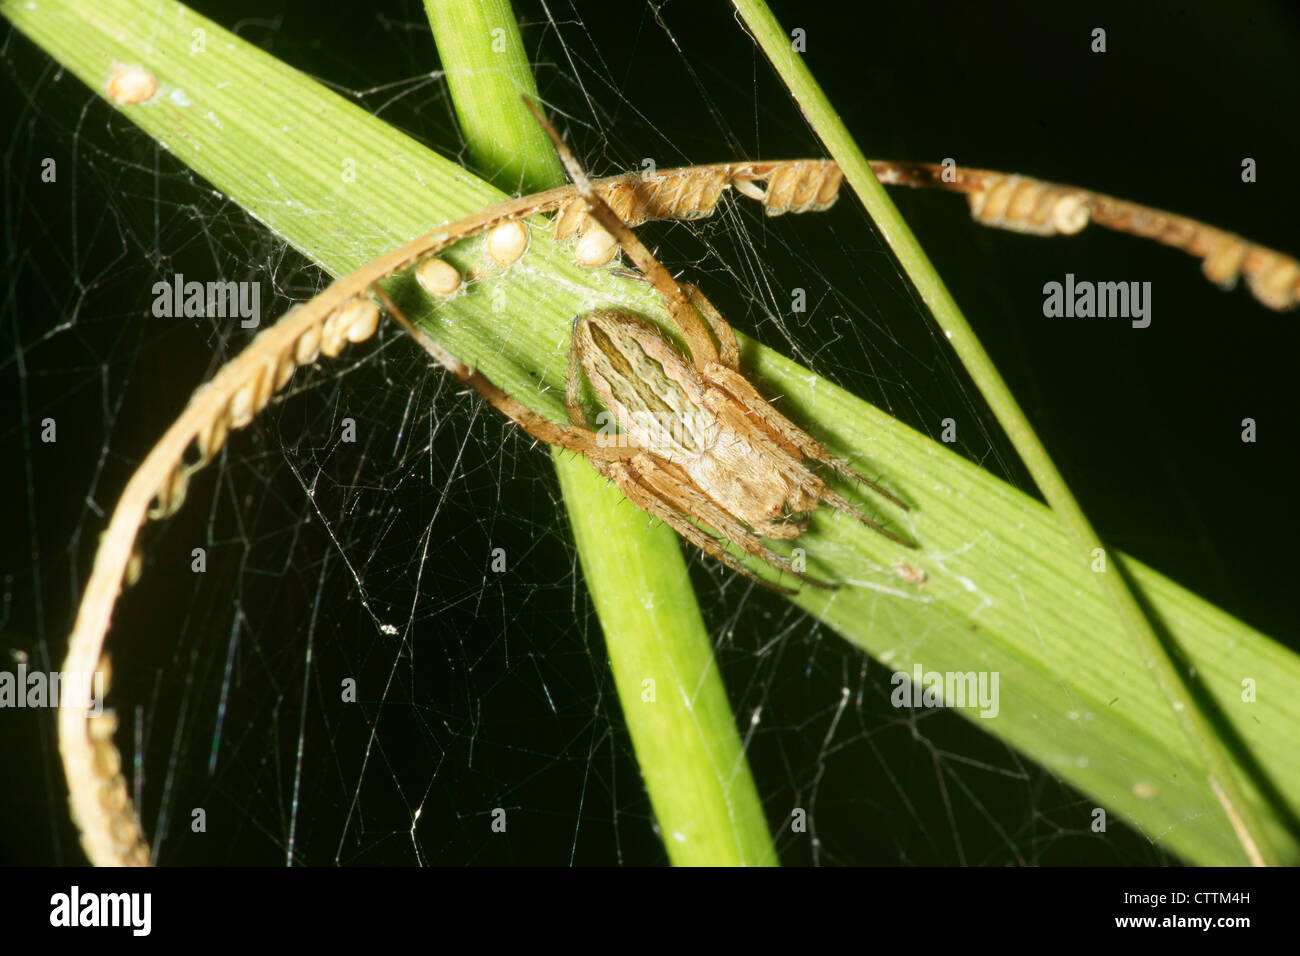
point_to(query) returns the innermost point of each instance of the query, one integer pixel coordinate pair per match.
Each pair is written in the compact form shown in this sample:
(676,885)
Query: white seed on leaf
(437,277)
(507,242)
(596,248)
(132,86)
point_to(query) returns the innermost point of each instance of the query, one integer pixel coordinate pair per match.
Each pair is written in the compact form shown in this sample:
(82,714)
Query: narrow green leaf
(687,745)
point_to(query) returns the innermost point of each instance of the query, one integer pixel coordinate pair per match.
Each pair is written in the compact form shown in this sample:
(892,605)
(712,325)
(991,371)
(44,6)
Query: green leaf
(668,683)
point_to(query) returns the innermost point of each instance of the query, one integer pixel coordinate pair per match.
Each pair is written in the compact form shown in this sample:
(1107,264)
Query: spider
(697,446)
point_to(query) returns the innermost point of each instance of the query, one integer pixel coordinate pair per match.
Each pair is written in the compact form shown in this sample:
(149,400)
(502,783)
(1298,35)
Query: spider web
(318,550)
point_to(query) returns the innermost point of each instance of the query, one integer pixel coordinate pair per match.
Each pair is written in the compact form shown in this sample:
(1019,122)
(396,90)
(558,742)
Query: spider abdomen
(748,485)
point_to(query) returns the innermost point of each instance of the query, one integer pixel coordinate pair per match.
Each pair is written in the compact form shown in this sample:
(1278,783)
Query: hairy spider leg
(579,439)
(684,316)
(744,391)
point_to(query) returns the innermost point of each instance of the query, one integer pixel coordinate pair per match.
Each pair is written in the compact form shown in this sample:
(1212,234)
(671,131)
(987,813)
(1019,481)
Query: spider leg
(840,504)
(726,408)
(730,351)
(722,330)
(572,437)
(672,487)
(731,381)
(649,501)
(571,398)
(687,320)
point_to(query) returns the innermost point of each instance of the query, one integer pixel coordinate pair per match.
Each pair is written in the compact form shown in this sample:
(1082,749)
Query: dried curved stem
(1035,206)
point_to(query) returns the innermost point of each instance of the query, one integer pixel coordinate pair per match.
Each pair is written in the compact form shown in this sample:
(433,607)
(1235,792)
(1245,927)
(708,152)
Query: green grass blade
(1004,591)
(487,72)
(687,745)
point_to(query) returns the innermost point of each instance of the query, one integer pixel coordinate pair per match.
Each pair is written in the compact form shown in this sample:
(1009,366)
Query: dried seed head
(252,398)
(596,248)
(569,218)
(125,830)
(1071,213)
(240,412)
(132,86)
(113,798)
(307,348)
(171,494)
(1029,206)
(1223,262)
(334,335)
(210,439)
(106,668)
(134,565)
(751,188)
(1275,284)
(102,726)
(437,277)
(108,762)
(284,371)
(360,319)
(507,242)
(800,186)
(1023,201)
(989,206)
